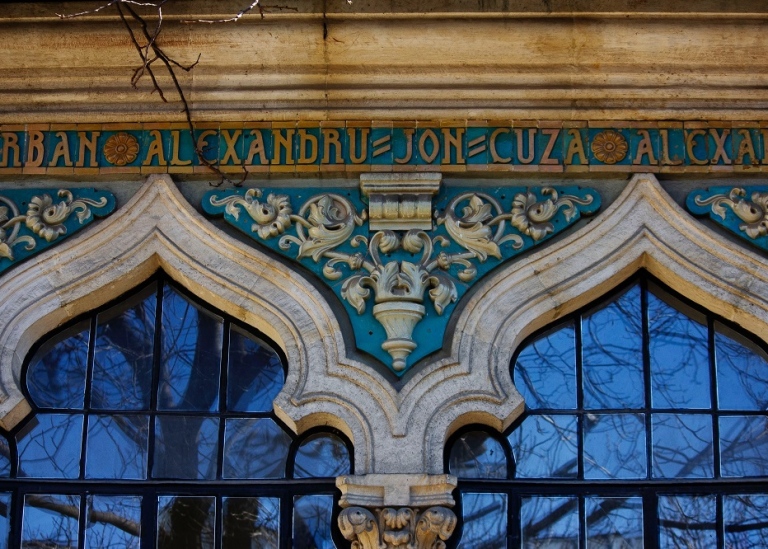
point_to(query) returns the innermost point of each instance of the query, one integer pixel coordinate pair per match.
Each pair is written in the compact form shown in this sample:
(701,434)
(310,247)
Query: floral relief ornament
(121,149)
(749,216)
(401,269)
(609,147)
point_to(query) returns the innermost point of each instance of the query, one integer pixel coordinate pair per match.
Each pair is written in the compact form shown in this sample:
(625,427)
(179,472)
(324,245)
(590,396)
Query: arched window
(153,427)
(645,426)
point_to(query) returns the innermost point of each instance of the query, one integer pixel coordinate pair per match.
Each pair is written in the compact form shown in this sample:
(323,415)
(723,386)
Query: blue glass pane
(477,455)
(51,448)
(614,523)
(5,519)
(614,446)
(50,521)
(545,373)
(252,523)
(312,522)
(321,455)
(550,522)
(117,447)
(56,375)
(687,521)
(191,356)
(186,521)
(124,354)
(745,521)
(742,372)
(546,446)
(186,447)
(679,356)
(255,448)
(612,354)
(485,521)
(682,446)
(255,374)
(5,457)
(113,522)
(744,446)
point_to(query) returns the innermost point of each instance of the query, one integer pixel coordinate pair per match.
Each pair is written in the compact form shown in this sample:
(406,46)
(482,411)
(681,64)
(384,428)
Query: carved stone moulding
(32,220)
(741,210)
(390,251)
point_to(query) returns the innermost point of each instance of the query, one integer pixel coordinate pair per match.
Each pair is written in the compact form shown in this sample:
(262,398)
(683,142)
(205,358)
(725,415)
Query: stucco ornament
(609,147)
(121,149)
(45,220)
(730,207)
(413,276)
(393,528)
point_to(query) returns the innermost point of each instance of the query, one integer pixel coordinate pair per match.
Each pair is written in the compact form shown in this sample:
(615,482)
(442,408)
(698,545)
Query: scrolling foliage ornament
(412,278)
(32,220)
(741,210)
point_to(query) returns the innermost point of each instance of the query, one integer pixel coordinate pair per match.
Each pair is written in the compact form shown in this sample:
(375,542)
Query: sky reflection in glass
(56,376)
(255,374)
(744,446)
(50,521)
(255,448)
(742,383)
(614,523)
(321,455)
(745,519)
(614,446)
(113,522)
(550,522)
(51,449)
(682,446)
(477,455)
(546,446)
(485,521)
(312,522)
(117,447)
(687,521)
(252,523)
(545,373)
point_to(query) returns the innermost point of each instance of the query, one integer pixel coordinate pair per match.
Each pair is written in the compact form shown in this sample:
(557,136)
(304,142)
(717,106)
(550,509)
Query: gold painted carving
(121,149)
(390,528)
(754,213)
(609,147)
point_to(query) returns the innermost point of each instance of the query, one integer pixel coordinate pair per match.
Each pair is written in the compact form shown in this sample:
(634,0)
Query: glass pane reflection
(56,376)
(551,523)
(255,448)
(117,447)
(191,356)
(113,522)
(743,441)
(185,447)
(614,446)
(745,521)
(614,523)
(255,374)
(546,446)
(477,455)
(612,354)
(51,449)
(252,523)
(682,446)
(545,373)
(485,521)
(122,364)
(679,356)
(312,522)
(50,521)
(742,383)
(5,519)
(321,455)
(185,521)
(687,521)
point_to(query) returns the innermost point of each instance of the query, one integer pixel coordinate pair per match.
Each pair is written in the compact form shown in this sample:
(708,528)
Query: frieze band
(293,147)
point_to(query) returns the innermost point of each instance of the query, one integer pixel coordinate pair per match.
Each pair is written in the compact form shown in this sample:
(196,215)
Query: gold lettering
(746,147)
(765,146)
(331,137)
(531,146)
(353,156)
(230,140)
(176,142)
(90,144)
(492,145)
(155,150)
(257,147)
(665,150)
(283,142)
(408,147)
(35,149)
(10,145)
(644,148)
(545,158)
(689,144)
(429,134)
(449,140)
(720,146)
(202,142)
(61,151)
(576,146)
(304,140)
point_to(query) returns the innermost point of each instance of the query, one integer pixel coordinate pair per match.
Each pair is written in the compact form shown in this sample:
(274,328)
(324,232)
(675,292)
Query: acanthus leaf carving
(731,208)
(401,528)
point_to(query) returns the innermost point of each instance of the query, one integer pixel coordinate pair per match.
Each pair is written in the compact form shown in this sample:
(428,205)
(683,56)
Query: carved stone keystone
(400,202)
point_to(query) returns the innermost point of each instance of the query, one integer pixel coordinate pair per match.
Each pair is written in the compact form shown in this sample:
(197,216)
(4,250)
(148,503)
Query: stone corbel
(397,511)
(400,202)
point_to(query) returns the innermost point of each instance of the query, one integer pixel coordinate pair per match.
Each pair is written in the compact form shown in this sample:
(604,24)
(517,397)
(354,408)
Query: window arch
(645,426)
(153,427)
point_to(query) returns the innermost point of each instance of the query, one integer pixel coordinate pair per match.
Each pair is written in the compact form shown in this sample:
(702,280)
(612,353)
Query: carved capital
(400,202)
(391,528)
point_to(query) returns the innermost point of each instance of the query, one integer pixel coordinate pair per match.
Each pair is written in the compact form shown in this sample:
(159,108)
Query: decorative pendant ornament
(413,275)
(32,220)
(741,210)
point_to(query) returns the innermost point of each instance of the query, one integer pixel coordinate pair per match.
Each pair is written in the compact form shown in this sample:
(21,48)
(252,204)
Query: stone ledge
(396,490)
